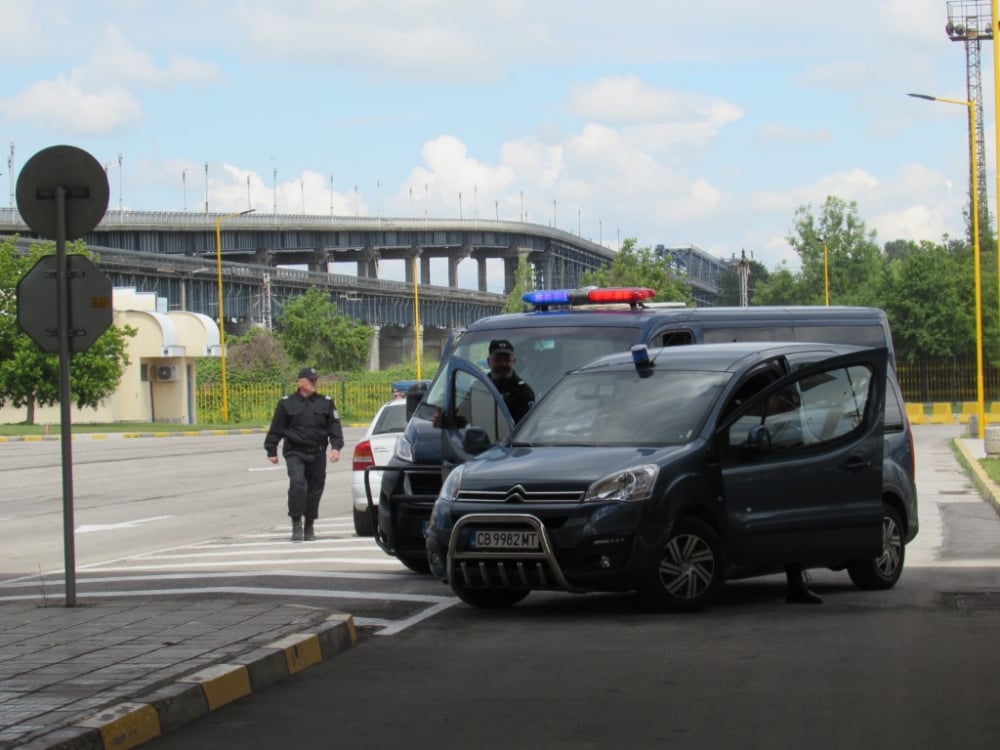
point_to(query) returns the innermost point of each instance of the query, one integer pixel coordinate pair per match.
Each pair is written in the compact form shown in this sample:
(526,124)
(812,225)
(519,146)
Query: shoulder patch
(336,414)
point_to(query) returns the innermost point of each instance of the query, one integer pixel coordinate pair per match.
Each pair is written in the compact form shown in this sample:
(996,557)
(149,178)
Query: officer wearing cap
(307,422)
(517,394)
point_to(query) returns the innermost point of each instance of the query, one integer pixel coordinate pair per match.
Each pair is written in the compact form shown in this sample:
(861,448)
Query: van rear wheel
(883,571)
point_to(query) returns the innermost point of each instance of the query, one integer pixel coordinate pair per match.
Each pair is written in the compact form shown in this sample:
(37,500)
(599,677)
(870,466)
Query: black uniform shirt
(307,424)
(517,395)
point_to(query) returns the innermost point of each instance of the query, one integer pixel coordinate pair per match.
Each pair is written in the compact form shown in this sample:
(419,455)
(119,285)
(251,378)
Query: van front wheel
(690,571)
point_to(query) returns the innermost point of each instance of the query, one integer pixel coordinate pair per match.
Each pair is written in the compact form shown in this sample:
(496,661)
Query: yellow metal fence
(950,381)
(357,400)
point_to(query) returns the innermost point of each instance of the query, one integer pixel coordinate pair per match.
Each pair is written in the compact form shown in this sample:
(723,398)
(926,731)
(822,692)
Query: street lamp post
(980,395)
(222,312)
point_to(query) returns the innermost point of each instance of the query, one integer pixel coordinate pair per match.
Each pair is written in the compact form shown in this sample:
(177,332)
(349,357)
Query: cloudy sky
(674,123)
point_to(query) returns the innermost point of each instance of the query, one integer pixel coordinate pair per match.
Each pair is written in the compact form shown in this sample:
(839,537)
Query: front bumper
(572,553)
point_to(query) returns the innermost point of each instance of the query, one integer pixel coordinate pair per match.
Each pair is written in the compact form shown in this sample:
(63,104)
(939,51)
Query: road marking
(87,528)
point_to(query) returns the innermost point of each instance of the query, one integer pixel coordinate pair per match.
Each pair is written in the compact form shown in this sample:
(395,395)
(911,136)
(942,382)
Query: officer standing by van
(517,394)
(307,422)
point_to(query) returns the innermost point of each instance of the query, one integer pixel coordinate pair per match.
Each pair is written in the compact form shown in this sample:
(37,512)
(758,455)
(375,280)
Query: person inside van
(517,395)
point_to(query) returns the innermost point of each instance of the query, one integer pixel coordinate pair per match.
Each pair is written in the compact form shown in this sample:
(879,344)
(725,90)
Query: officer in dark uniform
(307,421)
(517,394)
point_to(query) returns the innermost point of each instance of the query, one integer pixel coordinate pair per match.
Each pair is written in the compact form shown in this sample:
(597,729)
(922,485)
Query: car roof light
(620,294)
(544,298)
(547,297)
(640,355)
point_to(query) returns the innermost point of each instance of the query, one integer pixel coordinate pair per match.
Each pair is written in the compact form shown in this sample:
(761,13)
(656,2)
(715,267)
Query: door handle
(854,464)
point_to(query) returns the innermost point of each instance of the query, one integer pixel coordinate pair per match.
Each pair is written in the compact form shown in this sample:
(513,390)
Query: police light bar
(588,296)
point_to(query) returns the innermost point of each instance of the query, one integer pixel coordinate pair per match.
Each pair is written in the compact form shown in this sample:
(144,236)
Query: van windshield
(543,354)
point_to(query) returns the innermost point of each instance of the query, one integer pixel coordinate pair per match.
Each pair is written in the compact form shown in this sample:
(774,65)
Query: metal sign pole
(65,413)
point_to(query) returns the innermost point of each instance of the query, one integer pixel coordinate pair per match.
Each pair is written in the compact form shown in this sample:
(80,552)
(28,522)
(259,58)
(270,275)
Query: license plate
(505,539)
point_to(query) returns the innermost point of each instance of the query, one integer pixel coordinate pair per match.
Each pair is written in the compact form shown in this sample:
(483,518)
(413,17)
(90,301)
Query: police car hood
(564,468)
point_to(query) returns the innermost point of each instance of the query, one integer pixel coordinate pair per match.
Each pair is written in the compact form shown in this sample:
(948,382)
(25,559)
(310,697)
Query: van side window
(676,338)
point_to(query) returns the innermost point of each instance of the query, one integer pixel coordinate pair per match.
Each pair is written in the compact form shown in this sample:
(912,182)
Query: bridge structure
(265,259)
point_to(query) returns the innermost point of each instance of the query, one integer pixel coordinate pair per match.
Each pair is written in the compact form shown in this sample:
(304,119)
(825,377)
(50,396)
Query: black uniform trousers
(307,477)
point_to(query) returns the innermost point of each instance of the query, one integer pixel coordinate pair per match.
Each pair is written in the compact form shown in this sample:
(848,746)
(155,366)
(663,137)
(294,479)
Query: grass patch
(992,468)
(13,430)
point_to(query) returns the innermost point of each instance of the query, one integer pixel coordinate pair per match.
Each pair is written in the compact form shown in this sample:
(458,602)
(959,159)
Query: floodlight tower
(970,21)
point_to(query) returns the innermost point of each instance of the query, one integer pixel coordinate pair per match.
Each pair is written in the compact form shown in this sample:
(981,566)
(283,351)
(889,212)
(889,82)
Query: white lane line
(86,528)
(126,566)
(403,575)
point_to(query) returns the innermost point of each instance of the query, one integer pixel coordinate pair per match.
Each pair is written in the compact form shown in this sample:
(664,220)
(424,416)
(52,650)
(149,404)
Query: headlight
(628,485)
(451,486)
(404,451)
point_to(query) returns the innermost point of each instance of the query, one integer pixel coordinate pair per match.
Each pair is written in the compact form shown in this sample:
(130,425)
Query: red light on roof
(620,294)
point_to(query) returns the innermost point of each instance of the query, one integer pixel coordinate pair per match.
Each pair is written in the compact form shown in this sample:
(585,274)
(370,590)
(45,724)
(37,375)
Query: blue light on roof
(547,297)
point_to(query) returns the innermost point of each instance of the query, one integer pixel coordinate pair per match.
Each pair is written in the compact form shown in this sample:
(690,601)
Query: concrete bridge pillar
(319,261)
(481,274)
(374,358)
(425,270)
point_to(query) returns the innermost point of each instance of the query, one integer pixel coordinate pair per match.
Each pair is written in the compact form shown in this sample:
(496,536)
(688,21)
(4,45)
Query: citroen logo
(515,494)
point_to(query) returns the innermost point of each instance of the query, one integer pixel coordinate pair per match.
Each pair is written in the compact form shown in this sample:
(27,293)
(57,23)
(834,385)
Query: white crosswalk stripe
(336,548)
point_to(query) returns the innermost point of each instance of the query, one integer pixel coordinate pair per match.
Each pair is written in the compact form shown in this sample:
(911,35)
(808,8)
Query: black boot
(309,535)
(296,530)
(797,591)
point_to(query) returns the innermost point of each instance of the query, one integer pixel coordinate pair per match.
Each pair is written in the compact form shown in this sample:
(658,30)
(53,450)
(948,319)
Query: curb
(986,486)
(130,724)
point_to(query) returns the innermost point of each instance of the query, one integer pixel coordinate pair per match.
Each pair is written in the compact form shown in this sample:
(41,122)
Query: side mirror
(414,395)
(475,440)
(758,442)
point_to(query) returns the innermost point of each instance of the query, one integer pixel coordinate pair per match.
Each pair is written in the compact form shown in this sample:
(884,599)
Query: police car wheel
(490,598)
(363,523)
(416,563)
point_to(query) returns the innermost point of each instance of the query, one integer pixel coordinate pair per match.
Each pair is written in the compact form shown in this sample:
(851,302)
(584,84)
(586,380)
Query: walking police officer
(307,422)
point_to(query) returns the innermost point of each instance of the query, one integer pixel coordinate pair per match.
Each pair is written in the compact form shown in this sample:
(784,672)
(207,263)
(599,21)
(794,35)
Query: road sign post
(62,193)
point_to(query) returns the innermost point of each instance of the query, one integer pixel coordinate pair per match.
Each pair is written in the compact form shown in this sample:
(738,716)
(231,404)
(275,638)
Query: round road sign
(81,176)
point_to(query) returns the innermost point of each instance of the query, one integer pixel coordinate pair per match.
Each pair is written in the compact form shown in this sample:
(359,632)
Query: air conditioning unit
(166,373)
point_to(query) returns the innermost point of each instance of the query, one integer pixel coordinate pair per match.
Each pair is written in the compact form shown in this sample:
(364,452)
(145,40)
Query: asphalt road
(131,496)
(913,667)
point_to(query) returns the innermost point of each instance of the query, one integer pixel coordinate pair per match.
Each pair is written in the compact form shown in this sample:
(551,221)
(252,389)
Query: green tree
(256,357)
(634,266)
(29,378)
(314,333)
(838,241)
(524,281)
(927,302)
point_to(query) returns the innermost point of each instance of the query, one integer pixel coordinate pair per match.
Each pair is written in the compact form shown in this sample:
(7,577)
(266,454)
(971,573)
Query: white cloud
(62,105)
(95,97)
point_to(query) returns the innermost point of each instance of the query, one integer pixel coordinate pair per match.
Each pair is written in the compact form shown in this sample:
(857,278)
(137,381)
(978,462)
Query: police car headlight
(628,485)
(404,451)
(451,486)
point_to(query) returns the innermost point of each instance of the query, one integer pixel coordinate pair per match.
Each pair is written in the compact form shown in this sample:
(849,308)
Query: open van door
(826,420)
(474,415)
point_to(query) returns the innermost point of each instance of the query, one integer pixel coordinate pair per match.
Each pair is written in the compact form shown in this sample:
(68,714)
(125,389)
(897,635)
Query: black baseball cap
(309,373)
(501,346)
